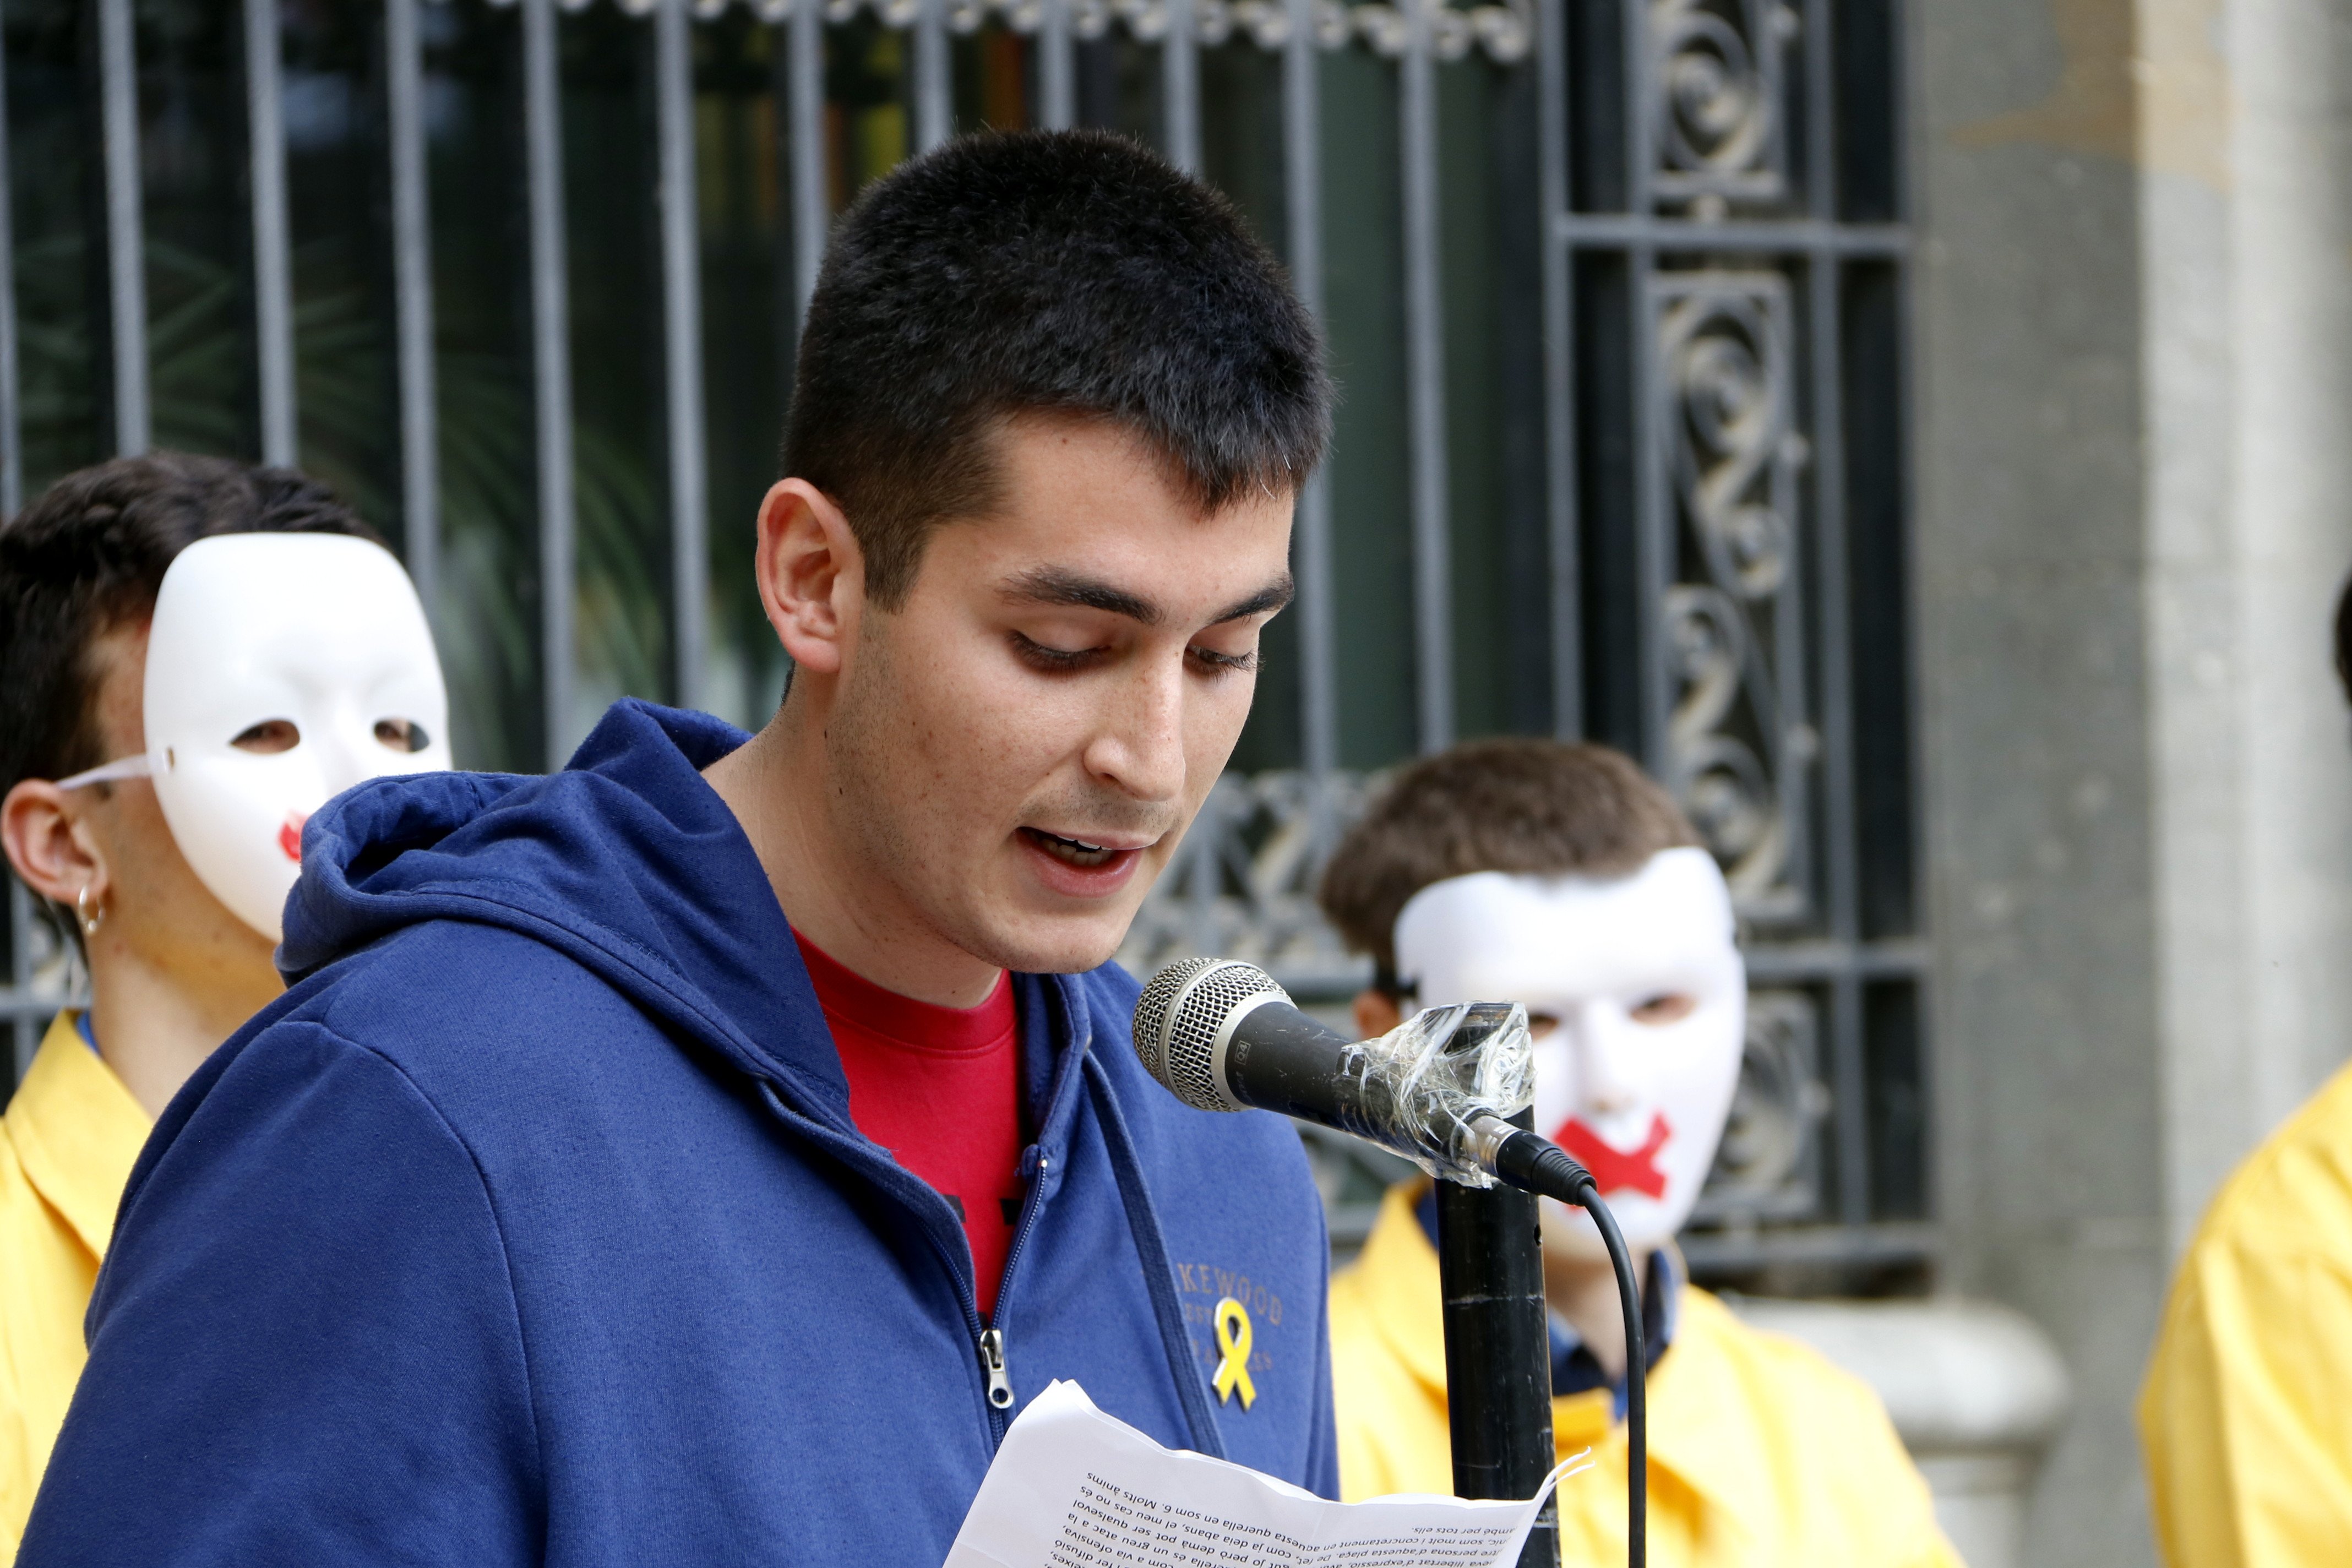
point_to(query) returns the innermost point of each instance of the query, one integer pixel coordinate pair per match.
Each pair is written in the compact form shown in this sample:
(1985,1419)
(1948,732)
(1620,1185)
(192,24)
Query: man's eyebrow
(1059,586)
(1273,597)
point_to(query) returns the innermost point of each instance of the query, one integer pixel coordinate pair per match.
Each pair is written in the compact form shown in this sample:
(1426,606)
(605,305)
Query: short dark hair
(1529,806)
(1070,272)
(90,555)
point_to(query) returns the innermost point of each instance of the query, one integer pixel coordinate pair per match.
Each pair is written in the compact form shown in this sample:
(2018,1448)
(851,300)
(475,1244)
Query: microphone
(1222,1034)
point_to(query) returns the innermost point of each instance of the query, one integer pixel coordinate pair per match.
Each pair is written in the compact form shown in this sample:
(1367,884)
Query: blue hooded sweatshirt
(531,1225)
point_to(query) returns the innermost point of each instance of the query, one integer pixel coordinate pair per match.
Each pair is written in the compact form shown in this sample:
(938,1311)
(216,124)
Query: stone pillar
(2135,448)
(2246,137)
(2031,570)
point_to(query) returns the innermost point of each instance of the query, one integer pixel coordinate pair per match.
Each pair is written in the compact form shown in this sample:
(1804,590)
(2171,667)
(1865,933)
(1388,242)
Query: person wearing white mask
(1560,877)
(194,653)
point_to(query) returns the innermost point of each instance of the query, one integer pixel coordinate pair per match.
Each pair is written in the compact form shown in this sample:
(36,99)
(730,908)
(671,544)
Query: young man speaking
(698,1156)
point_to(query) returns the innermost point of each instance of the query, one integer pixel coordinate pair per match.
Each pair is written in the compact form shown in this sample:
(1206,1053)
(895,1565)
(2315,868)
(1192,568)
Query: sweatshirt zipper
(991,1339)
(999,1394)
(988,1339)
(992,1361)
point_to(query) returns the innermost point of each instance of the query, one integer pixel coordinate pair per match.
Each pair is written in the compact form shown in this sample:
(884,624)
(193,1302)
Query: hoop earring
(90,922)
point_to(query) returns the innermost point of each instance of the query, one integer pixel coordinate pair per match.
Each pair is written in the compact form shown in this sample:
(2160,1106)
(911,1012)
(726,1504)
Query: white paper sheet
(1073,1488)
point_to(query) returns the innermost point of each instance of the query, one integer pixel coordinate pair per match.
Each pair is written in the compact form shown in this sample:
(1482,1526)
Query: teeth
(1072,851)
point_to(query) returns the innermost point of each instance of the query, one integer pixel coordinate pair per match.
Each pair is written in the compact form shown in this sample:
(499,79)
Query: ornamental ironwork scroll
(1734,742)
(1768,1166)
(1242,883)
(1714,97)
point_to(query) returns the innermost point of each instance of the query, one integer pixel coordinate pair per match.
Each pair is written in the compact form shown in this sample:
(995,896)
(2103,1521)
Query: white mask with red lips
(1645,980)
(317,644)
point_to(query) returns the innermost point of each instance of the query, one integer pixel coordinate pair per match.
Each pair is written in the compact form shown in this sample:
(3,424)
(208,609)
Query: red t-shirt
(938,1086)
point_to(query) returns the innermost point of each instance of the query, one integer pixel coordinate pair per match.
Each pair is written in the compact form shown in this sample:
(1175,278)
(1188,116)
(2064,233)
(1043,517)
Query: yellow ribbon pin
(1233,1344)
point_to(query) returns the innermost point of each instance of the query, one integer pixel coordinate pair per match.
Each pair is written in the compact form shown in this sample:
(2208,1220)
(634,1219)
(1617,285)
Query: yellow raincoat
(66,1145)
(2247,1413)
(1762,1453)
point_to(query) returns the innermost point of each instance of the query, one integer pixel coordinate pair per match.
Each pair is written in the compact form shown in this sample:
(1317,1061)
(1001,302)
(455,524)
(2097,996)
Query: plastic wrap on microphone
(1414,1090)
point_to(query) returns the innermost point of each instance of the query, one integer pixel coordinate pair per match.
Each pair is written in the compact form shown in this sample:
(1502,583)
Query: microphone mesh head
(1178,1018)
(1152,1013)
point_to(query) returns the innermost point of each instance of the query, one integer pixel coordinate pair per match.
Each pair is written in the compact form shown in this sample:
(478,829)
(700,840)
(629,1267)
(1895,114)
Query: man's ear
(1376,1013)
(812,575)
(56,854)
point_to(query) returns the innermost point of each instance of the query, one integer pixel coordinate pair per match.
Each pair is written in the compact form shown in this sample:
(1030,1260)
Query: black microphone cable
(1537,1165)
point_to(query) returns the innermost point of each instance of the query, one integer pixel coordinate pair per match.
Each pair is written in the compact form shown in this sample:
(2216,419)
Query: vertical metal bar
(1839,849)
(1906,642)
(551,323)
(1179,87)
(934,92)
(1851,1098)
(1425,379)
(1792,745)
(812,204)
(21,1038)
(1641,108)
(412,274)
(1653,517)
(273,269)
(1654,520)
(1821,146)
(690,502)
(12,431)
(1560,372)
(1057,73)
(126,272)
(1302,156)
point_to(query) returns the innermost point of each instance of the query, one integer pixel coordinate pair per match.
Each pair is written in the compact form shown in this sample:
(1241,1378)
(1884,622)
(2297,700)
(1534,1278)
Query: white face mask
(321,634)
(1645,981)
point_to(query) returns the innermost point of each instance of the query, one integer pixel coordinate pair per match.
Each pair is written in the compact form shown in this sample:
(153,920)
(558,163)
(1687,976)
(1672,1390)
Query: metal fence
(1616,288)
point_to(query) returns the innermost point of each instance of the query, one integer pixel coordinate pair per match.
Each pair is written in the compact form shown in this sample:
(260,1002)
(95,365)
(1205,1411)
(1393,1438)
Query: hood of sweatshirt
(626,860)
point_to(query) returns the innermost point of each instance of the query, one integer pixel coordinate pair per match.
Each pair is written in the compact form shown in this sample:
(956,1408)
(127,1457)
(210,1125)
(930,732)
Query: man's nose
(1608,1068)
(1138,744)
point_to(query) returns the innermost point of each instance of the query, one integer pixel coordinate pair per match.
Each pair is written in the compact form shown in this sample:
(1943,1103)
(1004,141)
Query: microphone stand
(1497,1351)
(1241,1043)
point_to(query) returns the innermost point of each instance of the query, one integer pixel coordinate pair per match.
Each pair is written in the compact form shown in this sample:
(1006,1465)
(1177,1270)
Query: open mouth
(1072,851)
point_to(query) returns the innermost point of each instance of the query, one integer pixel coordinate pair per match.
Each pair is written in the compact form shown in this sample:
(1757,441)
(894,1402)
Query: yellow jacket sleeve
(2246,1415)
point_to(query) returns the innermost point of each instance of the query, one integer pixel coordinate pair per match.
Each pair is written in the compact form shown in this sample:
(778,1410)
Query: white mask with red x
(1637,991)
